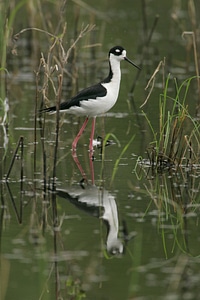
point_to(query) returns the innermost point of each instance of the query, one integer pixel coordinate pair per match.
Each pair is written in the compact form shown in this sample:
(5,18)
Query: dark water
(59,245)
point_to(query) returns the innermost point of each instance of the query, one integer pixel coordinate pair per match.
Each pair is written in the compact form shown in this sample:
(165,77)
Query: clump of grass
(174,153)
(176,143)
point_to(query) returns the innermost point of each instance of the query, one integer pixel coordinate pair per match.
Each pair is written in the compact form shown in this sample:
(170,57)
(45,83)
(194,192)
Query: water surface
(56,246)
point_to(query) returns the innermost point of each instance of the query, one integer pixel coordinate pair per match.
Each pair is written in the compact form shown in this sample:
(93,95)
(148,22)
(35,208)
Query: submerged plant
(74,289)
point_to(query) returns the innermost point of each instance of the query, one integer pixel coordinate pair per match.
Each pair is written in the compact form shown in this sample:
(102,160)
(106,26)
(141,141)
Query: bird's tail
(51,109)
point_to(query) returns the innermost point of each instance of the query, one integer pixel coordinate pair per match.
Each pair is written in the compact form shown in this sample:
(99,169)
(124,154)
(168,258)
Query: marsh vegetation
(53,240)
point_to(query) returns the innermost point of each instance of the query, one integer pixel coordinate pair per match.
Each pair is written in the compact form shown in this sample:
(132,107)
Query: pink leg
(75,158)
(79,135)
(92,135)
(91,150)
(91,169)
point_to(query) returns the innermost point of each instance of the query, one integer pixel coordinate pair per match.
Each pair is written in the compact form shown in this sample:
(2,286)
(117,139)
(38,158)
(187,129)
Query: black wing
(93,210)
(92,92)
(97,90)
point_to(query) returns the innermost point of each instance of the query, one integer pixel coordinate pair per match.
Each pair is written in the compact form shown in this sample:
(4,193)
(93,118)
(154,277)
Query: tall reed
(7,18)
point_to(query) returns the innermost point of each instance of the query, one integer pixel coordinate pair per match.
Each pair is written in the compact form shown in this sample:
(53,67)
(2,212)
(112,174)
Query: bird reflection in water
(97,202)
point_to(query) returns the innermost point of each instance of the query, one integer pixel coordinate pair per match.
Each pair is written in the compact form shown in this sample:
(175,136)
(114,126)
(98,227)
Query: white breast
(100,105)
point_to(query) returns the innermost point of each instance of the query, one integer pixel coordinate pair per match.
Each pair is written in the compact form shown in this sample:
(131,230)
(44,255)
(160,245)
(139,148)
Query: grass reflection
(176,198)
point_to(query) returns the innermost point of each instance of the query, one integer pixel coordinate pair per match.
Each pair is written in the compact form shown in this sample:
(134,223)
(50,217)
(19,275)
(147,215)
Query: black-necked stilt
(97,99)
(99,203)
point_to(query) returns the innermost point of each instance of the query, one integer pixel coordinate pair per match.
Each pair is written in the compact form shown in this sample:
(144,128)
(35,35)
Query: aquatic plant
(172,165)
(176,143)
(7,18)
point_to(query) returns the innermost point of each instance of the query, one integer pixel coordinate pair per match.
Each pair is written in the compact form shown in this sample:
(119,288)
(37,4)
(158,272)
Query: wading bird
(97,99)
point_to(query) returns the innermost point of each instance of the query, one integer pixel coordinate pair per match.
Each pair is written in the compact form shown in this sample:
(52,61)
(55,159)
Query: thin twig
(20,143)
(60,80)
(195,57)
(16,36)
(84,30)
(144,50)
(152,79)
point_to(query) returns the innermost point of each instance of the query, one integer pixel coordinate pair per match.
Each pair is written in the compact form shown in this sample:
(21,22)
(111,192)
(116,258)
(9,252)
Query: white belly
(95,107)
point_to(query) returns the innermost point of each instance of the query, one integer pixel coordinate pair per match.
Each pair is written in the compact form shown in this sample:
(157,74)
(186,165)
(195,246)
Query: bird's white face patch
(118,54)
(124,53)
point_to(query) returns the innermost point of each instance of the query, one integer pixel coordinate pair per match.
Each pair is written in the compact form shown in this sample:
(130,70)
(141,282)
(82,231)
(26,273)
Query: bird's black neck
(110,75)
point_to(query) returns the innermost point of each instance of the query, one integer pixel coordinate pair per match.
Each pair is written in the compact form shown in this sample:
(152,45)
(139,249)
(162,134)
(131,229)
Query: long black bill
(132,63)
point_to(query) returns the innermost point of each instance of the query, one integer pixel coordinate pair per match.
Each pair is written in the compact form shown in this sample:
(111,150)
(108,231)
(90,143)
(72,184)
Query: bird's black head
(117,51)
